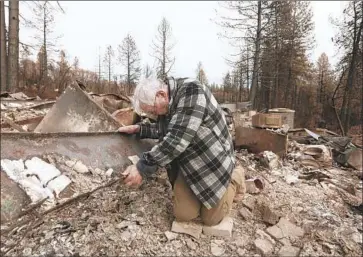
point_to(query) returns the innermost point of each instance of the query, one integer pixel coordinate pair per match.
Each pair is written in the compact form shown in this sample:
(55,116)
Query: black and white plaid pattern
(197,137)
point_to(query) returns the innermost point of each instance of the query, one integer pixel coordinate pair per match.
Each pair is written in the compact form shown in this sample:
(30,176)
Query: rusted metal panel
(12,198)
(259,140)
(75,111)
(102,150)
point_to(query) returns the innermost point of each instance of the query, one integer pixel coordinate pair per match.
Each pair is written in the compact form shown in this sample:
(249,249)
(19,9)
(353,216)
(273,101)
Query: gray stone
(249,202)
(223,229)
(289,251)
(241,252)
(245,213)
(191,244)
(284,228)
(216,247)
(264,246)
(190,228)
(170,235)
(80,167)
(270,216)
(264,235)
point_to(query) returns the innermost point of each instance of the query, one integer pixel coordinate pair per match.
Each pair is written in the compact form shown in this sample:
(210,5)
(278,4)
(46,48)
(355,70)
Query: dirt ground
(132,222)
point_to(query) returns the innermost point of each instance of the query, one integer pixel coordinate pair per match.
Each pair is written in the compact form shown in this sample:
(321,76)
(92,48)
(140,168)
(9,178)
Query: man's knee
(184,215)
(215,215)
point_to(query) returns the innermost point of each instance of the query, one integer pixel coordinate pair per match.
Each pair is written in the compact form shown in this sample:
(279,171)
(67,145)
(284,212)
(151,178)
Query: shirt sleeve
(148,130)
(182,127)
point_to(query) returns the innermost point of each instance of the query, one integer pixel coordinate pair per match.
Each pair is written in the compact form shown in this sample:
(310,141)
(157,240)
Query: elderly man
(194,145)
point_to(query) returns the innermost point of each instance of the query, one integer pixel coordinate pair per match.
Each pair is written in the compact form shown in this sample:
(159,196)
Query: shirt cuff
(145,169)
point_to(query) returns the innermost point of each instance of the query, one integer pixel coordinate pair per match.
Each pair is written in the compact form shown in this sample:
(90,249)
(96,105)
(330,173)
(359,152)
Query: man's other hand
(132,176)
(131,129)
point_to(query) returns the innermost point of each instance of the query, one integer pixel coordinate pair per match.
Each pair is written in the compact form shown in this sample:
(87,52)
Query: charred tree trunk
(3,53)
(13,55)
(256,57)
(346,110)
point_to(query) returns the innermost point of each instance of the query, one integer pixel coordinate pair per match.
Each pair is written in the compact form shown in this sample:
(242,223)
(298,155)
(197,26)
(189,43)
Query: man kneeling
(194,145)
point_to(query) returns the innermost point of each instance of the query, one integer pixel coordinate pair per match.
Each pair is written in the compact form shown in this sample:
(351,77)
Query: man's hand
(131,129)
(132,176)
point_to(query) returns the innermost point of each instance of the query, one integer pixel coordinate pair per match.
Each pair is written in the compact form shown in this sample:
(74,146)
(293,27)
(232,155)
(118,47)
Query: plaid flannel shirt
(197,137)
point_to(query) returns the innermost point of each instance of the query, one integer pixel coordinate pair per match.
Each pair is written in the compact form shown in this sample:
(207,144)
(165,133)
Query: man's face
(160,106)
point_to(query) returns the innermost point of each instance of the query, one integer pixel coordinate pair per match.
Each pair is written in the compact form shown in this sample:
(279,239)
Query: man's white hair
(145,93)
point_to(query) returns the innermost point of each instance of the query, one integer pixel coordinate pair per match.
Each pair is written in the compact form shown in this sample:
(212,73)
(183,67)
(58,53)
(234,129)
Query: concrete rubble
(304,196)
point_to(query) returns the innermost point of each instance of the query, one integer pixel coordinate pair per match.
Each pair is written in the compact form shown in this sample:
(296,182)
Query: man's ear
(162,93)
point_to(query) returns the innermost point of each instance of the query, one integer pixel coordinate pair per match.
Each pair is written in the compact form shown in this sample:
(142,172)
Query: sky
(89,26)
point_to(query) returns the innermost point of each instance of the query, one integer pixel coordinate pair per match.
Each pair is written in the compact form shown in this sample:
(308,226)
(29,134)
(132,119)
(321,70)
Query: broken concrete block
(42,169)
(284,228)
(190,228)
(58,184)
(275,232)
(217,248)
(13,168)
(289,251)
(245,213)
(264,246)
(223,229)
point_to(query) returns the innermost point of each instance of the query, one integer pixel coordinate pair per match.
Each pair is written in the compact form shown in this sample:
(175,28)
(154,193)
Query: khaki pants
(188,207)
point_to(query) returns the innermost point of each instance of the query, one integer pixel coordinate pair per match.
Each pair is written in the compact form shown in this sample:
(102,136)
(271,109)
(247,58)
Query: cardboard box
(266,120)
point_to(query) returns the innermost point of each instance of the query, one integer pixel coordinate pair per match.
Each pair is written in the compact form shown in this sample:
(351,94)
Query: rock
(126,236)
(99,171)
(269,216)
(70,163)
(245,213)
(249,202)
(270,159)
(264,235)
(242,241)
(291,179)
(80,167)
(191,244)
(217,248)
(27,251)
(109,172)
(357,237)
(285,241)
(170,235)
(284,228)
(223,229)
(241,252)
(190,228)
(289,251)
(125,224)
(264,246)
